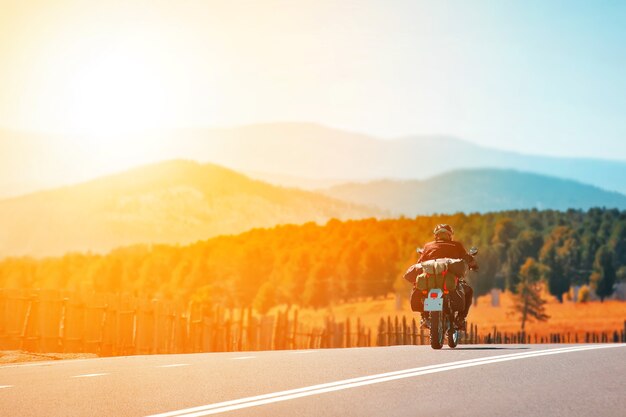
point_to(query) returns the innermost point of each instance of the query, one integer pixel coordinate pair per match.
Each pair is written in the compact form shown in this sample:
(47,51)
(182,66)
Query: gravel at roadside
(15,356)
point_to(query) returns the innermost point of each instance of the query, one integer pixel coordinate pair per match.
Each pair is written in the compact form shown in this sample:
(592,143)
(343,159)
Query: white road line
(6,386)
(366,380)
(88,375)
(298,352)
(244,357)
(174,365)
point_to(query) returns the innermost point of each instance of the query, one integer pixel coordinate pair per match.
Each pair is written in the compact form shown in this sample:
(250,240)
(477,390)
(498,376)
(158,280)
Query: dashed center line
(174,365)
(244,357)
(6,386)
(88,375)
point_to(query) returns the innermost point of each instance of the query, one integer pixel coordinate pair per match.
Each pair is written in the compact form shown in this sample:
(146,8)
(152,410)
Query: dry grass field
(564,317)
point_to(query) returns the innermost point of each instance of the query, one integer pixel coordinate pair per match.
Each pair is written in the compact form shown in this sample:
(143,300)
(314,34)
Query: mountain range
(171,202)
(294,154)
(480,190)
(181,201)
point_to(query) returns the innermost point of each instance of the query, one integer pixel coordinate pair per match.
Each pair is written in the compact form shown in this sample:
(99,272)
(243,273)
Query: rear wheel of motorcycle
(453,336)
(436,330)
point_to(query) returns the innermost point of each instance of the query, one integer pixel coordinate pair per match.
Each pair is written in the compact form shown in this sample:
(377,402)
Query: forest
(313,265)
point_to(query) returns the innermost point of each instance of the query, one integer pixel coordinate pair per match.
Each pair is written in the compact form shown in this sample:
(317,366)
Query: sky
(536,76)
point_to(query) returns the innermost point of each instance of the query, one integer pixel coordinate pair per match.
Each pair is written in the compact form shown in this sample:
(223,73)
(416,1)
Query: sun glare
(117,92)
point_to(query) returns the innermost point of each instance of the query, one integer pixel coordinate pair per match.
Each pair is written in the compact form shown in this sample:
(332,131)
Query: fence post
(240,329)
(310,343)
(228,338)
(294,344)
(103,322)
(340,338)
(330,323)
(397,331)
(134,338)
(3,319)
(380,337)
(405,331)
(26,323)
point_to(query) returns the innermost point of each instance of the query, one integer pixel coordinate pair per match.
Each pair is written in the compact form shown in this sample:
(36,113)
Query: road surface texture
(471,380)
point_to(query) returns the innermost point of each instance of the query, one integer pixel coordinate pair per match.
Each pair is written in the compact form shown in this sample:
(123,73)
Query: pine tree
(603,281)
(485,278)
(528,301)
(526,244)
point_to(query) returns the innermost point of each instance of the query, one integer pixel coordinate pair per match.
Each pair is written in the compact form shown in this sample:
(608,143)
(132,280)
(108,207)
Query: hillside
(293,154)
(171,202)
(476,191)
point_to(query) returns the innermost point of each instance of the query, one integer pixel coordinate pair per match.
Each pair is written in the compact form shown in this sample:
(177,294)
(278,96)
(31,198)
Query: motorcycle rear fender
(434,300)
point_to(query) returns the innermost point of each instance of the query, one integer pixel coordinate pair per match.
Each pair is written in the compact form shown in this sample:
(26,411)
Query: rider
(444,247)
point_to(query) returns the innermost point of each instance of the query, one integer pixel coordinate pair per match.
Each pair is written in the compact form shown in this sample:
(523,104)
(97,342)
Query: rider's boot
(461,324)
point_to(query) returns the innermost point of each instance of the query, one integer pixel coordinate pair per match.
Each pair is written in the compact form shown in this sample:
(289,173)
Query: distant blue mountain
(314,152)
(294,154)
(479,190)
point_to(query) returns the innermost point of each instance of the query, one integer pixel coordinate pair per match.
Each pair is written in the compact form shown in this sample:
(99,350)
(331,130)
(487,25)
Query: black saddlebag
(417,300)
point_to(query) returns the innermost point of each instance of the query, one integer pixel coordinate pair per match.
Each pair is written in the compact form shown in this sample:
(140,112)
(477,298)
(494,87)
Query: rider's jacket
(445,249)
(440,249)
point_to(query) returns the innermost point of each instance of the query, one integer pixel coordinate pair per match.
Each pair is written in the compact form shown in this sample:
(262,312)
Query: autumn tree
(528,302)
(318,265)
(265,298)
(317,289)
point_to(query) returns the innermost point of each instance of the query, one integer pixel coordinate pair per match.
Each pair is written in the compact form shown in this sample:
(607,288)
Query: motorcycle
(438,300)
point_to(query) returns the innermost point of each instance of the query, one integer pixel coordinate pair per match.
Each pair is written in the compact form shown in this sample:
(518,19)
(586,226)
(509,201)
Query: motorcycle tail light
(433,295)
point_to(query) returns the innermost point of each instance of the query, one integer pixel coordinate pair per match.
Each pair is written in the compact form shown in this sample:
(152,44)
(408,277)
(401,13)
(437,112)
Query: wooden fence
(402,332)
(107,324)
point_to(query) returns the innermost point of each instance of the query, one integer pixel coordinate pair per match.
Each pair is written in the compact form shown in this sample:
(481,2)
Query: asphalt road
(478,380)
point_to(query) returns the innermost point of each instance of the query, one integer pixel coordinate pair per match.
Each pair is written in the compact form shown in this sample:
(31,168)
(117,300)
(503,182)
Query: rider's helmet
(443,231)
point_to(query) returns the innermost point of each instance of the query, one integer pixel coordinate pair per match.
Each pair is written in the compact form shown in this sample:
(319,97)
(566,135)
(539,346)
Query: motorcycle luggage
(436,275)
(458,267)
(435,266)
(412,273)
(428,282)
(417,300)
